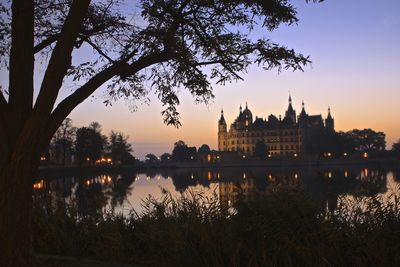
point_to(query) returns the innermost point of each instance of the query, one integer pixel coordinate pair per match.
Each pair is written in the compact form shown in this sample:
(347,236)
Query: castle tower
(290,112)
(222,133)
(329,121)
(247,116)
(303,116)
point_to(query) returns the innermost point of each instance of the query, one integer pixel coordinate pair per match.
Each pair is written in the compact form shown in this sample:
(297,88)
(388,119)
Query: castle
(289,136)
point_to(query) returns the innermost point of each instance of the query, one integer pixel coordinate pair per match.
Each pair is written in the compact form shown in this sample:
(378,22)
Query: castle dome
(247,113)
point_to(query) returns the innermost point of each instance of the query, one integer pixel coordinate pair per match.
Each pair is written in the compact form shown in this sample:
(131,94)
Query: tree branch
(95,47)
(65,107)
(68,104)
(60,59)
(45,43)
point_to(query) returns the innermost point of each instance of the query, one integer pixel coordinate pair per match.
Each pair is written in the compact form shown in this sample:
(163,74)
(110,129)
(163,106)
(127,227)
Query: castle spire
(222,119)
(329,122)
(303,109)
(329,113)
(290,98)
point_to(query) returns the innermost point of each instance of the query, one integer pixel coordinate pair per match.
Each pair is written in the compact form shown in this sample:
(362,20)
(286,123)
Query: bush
(282,229)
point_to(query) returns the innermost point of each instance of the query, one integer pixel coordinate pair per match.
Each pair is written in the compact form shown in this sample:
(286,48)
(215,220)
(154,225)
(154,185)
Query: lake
(122,192)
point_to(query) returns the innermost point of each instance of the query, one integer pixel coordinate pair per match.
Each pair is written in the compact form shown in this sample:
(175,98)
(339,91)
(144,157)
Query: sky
(354,46)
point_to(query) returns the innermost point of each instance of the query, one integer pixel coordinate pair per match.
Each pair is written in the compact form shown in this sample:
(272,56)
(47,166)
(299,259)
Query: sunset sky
(354,46)
(355,50)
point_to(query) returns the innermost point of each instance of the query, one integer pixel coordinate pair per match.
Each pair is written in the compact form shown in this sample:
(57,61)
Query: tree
(336,143)
(204,149)
(260,151)
(151,158)
(90,144)
(175,44)
(62,143)
(166,157)
(120,148)
(396,148)
(180,151)
(368,140)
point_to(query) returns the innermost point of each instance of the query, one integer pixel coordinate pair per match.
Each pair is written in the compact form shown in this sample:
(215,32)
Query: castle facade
(289,136)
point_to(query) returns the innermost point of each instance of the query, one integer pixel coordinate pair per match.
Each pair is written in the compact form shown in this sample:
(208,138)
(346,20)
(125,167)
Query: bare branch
(95,47)
(45,43)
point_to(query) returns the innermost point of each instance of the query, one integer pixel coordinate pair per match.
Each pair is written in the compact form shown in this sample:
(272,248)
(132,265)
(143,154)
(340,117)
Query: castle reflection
(94,194)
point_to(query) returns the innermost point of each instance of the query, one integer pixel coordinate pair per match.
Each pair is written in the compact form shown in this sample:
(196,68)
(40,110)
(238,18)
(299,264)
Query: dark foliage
(89,144)
(120,149)
(282,229)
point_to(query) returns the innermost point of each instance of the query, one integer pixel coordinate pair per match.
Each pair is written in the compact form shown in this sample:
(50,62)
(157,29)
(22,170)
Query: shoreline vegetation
(282,229)
(278,163)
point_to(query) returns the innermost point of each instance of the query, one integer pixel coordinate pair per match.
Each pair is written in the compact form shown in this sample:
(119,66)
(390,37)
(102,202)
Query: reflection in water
(92,195)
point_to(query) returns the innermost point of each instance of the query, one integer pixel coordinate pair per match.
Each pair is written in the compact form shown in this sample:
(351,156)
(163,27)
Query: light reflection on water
(123,192)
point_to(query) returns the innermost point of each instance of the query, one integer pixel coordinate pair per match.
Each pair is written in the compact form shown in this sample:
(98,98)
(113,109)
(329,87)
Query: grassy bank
(282,229)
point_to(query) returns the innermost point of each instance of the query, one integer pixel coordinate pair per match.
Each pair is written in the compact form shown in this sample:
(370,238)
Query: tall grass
(281,229)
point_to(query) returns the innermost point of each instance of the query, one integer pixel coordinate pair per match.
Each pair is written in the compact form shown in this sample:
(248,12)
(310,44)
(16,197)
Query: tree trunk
(16,178)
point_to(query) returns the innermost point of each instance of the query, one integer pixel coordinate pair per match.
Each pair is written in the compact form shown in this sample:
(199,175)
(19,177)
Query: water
(122,192)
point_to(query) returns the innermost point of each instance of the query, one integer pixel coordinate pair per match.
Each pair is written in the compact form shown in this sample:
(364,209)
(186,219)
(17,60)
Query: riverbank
(288,163)
(245,163)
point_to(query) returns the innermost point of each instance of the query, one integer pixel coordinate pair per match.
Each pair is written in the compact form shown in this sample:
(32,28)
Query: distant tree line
(88,146)
(338,143)
(180,153)
(322,142)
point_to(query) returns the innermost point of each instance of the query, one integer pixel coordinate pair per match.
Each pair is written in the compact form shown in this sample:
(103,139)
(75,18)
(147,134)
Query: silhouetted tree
(396,148)
(336,143)
(260,150)
(151,158)
(62,143)
(180,151)
(191,153)
(175,44)
(368,140)
(166,157)
(204,149)
(120,148)
(89,143)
